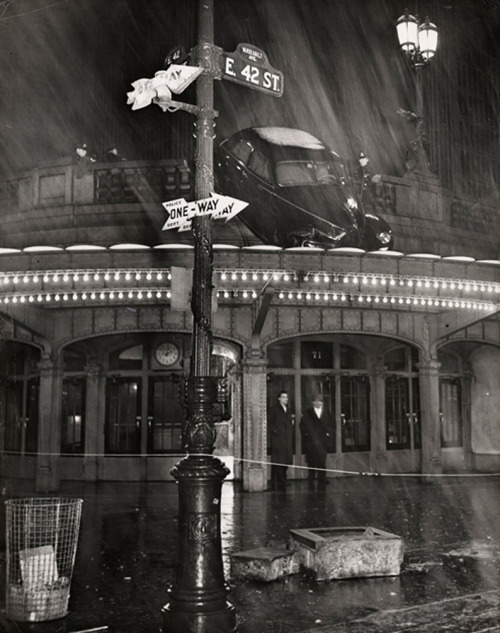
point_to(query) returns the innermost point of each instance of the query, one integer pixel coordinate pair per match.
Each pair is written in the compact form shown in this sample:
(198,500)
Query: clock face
(167,353)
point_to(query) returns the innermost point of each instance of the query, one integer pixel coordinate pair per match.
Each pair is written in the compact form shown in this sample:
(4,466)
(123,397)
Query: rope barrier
(358,473)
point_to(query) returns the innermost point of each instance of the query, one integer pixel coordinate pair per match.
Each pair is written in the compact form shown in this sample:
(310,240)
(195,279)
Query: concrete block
(347,552)
(264,564)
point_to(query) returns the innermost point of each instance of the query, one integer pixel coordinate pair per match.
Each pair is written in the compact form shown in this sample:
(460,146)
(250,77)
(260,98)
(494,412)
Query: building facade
(96,332)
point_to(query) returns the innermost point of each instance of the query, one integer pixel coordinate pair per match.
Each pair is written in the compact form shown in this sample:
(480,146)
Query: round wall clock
(167,353)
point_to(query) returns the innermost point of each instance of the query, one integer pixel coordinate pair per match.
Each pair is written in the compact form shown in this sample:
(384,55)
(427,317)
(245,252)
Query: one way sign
(180,212)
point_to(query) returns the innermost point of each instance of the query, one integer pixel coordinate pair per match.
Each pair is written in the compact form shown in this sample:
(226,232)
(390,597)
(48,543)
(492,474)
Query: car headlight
(351,203)
(384,238)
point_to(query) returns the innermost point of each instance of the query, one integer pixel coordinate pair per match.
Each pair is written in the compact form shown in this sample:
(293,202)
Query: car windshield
(307,172)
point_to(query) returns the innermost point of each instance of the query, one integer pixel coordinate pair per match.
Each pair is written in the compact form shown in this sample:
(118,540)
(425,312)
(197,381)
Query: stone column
(93,423)
(49,426)
(378,460)
(467,378)
(429,416)
(254,422)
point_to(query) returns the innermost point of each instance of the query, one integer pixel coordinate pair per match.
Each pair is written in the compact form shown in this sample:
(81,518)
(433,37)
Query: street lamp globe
(407,28)
(418,40)
(427,39)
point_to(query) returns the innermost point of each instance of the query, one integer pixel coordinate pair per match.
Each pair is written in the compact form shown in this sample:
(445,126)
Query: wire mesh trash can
(41,538)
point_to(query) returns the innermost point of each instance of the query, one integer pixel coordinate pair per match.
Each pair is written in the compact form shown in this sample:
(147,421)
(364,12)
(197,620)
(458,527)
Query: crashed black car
(298,191)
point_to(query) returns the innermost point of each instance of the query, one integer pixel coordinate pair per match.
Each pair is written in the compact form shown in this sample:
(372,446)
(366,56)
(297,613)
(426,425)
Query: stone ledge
(264,563)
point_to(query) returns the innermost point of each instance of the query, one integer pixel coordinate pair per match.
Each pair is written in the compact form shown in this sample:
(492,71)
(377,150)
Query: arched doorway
(370,384)
(124,408)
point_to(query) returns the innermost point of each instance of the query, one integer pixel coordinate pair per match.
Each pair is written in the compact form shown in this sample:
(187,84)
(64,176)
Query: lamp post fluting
(418,41)
(198,595)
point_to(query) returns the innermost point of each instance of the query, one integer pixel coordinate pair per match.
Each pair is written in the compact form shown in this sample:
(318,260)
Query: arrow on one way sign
(180,212)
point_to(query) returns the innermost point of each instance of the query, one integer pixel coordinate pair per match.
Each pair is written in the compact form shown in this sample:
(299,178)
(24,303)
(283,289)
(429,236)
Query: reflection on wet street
(128,540)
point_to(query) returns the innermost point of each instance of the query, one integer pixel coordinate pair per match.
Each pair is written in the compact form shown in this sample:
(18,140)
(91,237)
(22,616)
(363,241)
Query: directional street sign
(249,66)
(180,212)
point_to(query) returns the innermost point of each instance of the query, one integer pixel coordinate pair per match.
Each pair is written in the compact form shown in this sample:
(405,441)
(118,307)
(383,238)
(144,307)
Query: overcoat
(280,431)
(317,435)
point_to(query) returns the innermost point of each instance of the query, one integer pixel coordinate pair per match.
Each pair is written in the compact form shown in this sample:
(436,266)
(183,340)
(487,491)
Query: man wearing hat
(317,432)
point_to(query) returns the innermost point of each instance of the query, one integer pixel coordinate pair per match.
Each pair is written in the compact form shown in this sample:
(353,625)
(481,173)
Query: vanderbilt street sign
(249,66)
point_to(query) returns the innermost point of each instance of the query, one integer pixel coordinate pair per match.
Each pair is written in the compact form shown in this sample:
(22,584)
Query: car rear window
(295,173)
(241,150)
(260,165)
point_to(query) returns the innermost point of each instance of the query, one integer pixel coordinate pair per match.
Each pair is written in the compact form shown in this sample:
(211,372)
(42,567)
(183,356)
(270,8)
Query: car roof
(284,141)
(288,136)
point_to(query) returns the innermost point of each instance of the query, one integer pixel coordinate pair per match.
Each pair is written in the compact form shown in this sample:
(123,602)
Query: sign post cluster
(198,595)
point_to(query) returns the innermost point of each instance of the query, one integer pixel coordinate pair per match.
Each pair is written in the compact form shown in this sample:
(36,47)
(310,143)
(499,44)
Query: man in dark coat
(317,430)
(280,430)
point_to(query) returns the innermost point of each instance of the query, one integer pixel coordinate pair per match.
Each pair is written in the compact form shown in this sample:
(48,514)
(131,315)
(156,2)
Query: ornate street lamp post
(418,41)
(197,599)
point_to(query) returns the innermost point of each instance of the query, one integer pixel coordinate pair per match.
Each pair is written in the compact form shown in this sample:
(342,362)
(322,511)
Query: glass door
(165,415)
(73,416)
(450,394)
(21,415)
(123,415)
(355,413)
(402,411)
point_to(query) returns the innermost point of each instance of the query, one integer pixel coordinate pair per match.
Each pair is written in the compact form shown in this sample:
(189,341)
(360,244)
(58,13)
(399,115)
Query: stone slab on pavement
(473,613)
(348,552)
(264,563)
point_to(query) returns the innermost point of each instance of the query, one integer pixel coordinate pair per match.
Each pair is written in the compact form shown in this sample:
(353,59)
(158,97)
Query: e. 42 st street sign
(249,66)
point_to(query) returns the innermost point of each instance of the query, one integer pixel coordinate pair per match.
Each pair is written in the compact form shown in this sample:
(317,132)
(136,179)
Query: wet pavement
(449,579)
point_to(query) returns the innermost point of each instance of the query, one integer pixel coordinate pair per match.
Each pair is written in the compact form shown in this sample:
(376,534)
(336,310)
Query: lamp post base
(197,599)
(223,621)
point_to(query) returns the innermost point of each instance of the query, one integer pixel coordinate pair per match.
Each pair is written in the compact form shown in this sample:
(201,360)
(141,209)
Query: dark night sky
(68,64)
